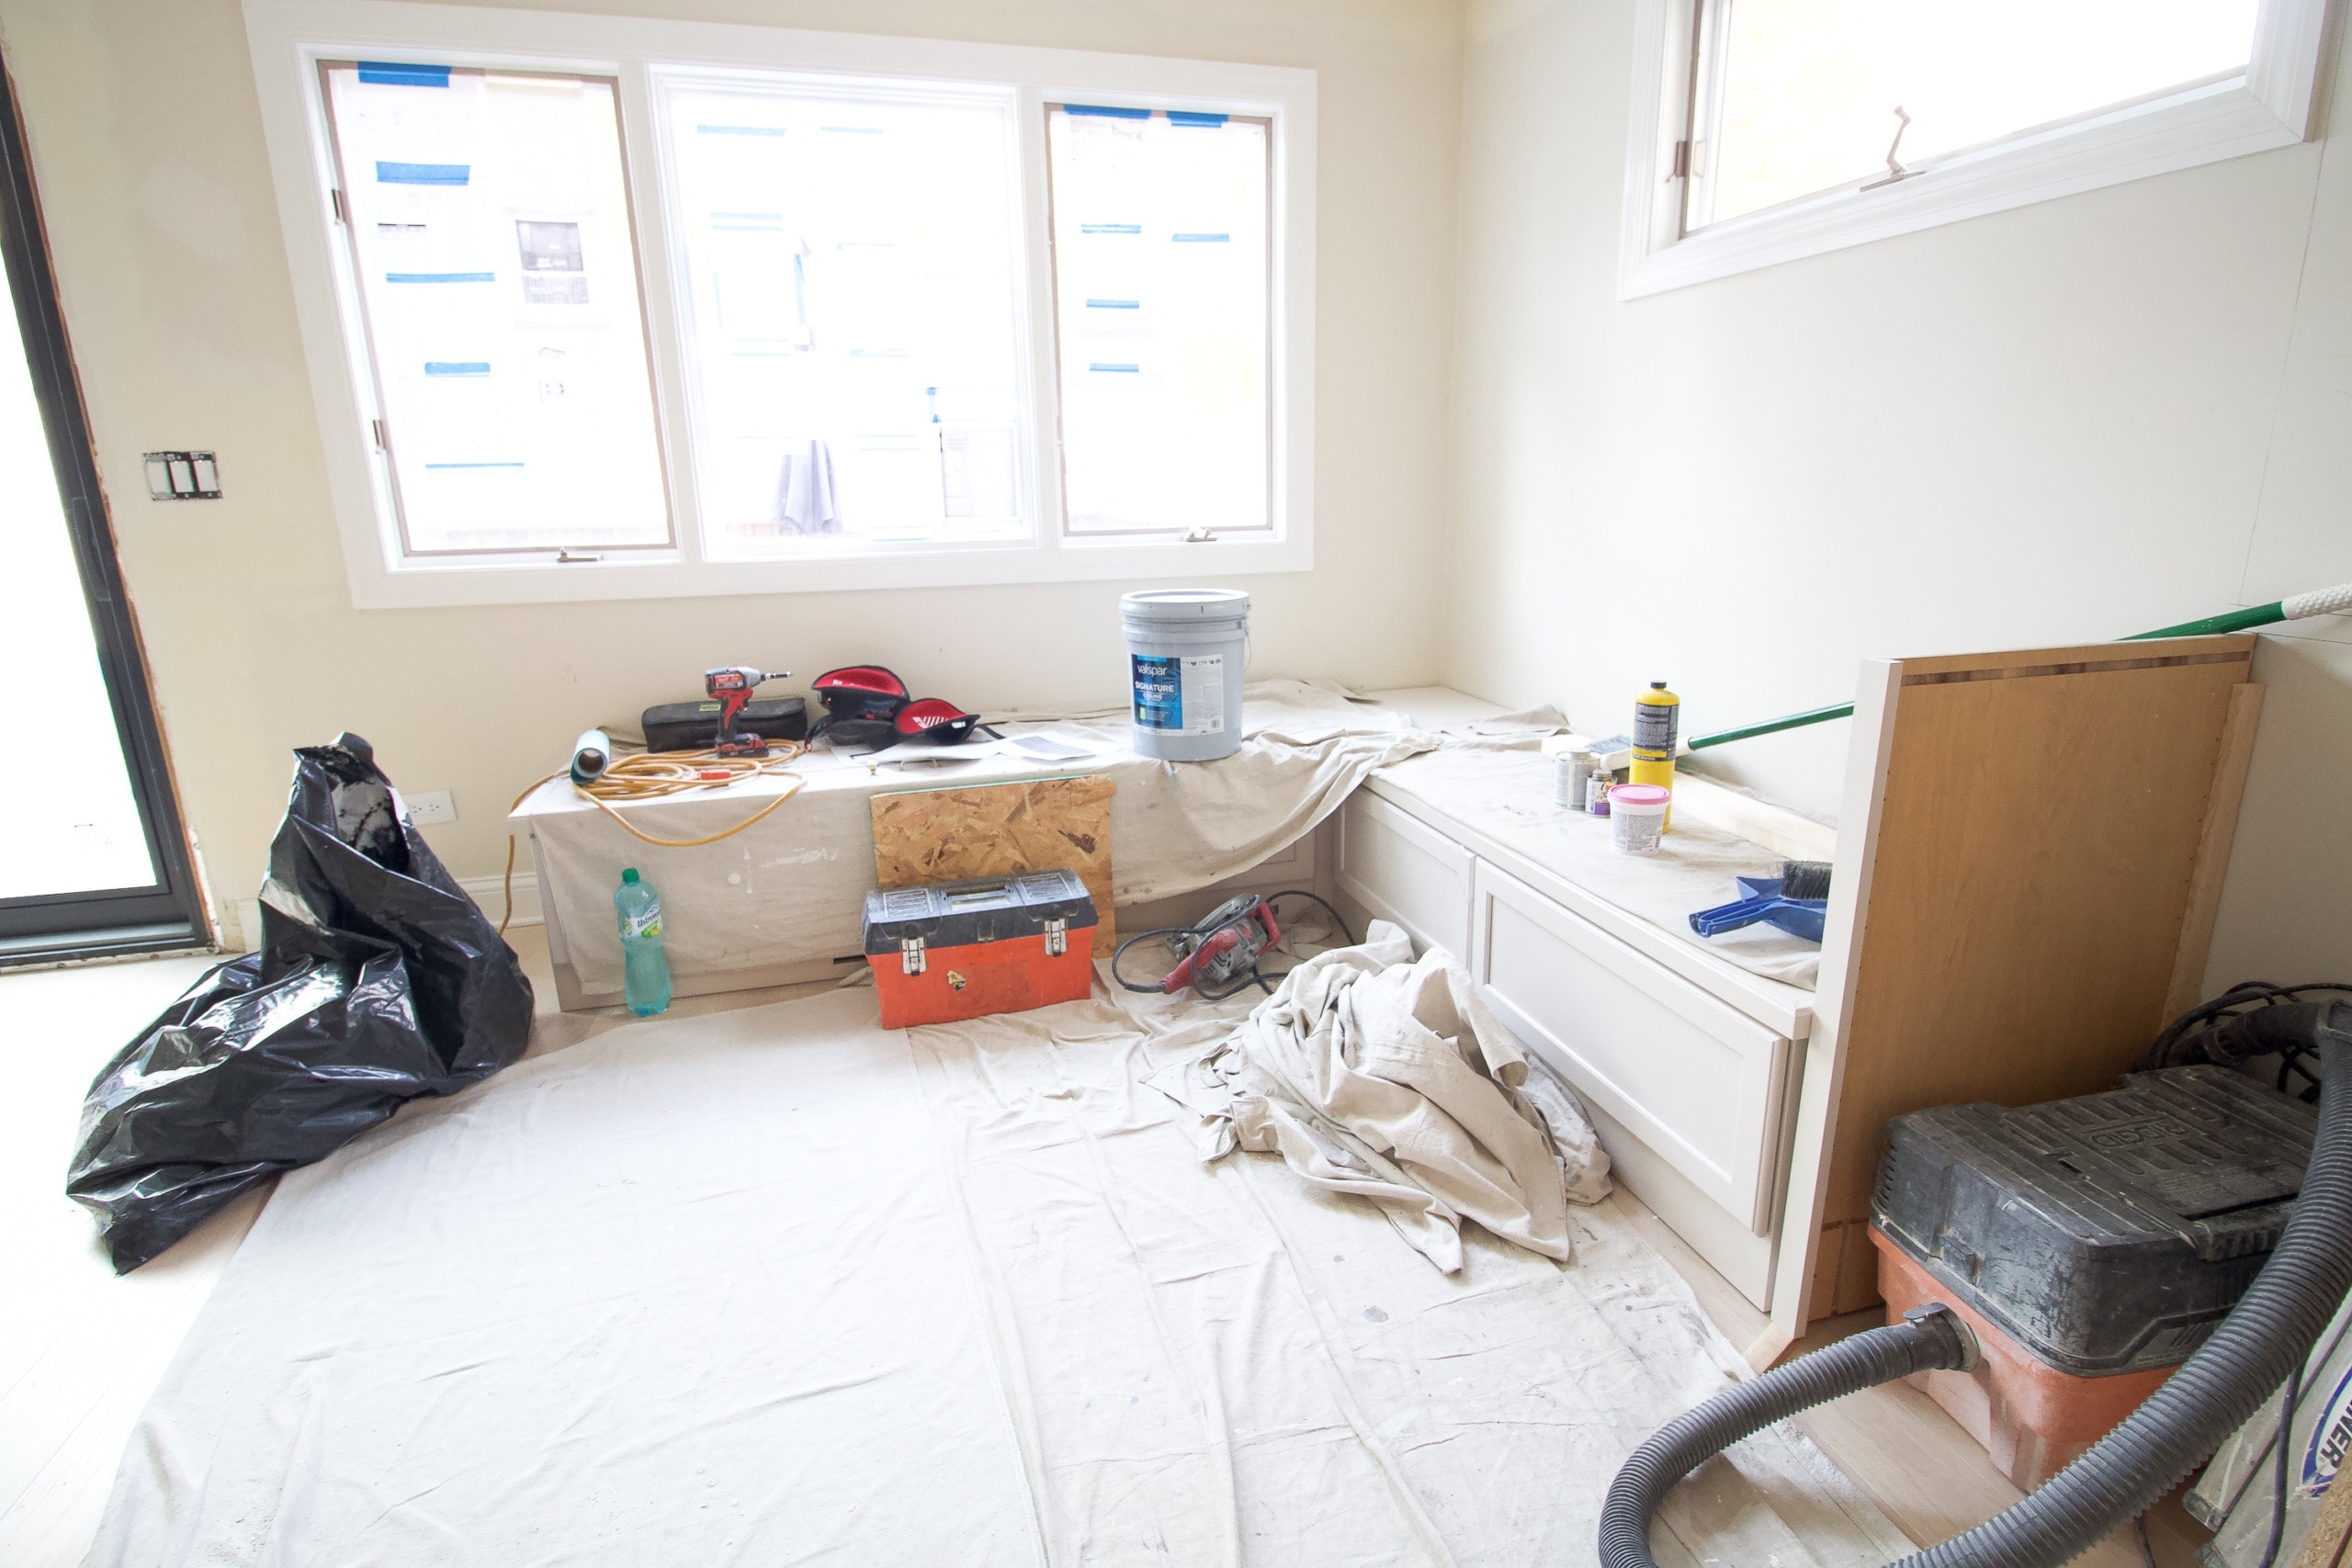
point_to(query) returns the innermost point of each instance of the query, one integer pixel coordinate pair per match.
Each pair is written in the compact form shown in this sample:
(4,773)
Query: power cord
(655,775)
(1195,937)
(2183,1040)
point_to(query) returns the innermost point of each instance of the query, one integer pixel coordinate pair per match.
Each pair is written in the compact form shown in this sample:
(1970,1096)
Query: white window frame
(290,38)
(2269,105)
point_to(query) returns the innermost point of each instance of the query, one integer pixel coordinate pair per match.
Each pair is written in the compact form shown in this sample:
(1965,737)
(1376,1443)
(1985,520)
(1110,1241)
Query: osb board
(2036,838)
(949,835)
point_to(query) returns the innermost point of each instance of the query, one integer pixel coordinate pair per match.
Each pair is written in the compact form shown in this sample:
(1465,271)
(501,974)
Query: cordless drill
(731,686)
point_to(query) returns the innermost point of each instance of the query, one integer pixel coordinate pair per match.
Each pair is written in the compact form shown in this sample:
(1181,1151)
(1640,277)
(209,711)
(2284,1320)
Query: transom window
(1777,128)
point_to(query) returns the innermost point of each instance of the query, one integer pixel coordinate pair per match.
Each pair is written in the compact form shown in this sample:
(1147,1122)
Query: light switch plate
(428,807)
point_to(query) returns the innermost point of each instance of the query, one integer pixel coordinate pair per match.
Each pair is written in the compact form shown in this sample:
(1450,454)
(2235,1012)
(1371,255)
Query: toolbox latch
(911,958)
(1057,936)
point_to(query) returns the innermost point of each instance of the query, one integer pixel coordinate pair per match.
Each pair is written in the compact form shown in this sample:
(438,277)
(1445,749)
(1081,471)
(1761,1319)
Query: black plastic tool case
(2106,1233)
(693,727)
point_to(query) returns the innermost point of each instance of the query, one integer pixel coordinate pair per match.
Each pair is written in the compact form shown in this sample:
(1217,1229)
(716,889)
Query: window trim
(2269,105)
(288,37)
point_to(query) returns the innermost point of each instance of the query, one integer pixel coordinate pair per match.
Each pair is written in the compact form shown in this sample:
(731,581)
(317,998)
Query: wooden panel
(948,835)
(2036,838)
(1698,1081)
(2213,850)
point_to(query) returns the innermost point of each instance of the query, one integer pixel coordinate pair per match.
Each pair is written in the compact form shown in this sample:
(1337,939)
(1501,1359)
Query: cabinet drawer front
(1697,1081)
(1403,870)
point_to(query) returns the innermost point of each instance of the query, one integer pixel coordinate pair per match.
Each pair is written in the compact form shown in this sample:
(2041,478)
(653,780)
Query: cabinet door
(1401,869)
(1698,1082)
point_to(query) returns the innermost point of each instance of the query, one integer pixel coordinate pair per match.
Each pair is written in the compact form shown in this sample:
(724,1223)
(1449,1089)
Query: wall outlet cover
(428,807)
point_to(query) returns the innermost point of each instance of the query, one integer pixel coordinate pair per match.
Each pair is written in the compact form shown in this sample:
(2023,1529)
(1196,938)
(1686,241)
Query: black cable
(2279,1479)
(1337,919)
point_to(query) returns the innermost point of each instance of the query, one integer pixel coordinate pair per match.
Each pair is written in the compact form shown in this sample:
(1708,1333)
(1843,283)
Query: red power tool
(1216,956)
(732,686)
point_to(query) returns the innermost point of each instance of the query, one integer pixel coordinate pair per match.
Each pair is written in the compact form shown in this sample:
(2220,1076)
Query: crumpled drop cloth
(1374,1073)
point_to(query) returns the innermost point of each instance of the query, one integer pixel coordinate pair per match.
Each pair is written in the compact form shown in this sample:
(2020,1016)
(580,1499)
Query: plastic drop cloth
(778,1287)
(1375,1075)
(378,980)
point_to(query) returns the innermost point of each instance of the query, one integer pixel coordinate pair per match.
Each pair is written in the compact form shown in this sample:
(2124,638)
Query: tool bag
(379,980)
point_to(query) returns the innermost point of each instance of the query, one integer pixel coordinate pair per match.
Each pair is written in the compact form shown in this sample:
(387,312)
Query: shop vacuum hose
(2267,1335)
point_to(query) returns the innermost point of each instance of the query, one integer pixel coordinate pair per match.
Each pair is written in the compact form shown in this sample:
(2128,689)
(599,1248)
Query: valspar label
(1180,696)
(2331,1439)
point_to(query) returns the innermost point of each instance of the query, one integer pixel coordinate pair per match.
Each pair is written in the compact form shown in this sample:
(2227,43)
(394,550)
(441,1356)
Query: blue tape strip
(1109,228)
(1123,369)
(391,73)
(456,367)
(1114,304)
(738,130)
(853,129)
(1185,116)
(1101,111)
(422,174)
(440,278)
(1201,238)
(449,465)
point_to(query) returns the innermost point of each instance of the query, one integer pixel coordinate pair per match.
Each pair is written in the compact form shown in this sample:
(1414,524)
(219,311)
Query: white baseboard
(489,892)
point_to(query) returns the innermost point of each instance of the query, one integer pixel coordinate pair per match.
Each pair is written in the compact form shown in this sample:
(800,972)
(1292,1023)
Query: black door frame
(170,912)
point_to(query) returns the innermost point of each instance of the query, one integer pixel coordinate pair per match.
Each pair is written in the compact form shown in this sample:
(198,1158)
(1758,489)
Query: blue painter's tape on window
(738,130)
(1109,228)
(1115,369)
(1101,111)
(853,129)
(1201,238)
(1185,116)
(1114,304)
(439,468)
(456,367)
(440,278)
(389,73)
(422,174)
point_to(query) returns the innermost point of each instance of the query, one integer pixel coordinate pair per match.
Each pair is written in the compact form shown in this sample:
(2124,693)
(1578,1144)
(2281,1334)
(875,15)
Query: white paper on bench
(760,1288)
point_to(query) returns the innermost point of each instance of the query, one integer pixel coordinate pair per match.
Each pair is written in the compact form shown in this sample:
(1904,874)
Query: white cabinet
(1398,868)
(1698,1082)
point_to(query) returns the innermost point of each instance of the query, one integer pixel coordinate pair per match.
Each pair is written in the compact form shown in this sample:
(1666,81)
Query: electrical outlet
(428,807)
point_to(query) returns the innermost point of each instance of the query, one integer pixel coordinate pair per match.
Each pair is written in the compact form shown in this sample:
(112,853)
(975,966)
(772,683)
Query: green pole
(2234,621)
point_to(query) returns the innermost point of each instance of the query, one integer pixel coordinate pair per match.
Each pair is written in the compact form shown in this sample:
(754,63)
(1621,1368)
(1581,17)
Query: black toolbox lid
(988,908)
(2108,1233)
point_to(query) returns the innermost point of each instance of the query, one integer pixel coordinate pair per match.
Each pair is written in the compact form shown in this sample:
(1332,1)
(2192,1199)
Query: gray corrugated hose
(2226,1380)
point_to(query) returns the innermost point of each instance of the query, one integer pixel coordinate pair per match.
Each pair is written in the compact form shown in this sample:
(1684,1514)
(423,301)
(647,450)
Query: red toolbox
(955,949)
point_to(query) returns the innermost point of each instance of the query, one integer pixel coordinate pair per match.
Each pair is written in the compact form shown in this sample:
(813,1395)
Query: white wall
(146,142)
(2072,421)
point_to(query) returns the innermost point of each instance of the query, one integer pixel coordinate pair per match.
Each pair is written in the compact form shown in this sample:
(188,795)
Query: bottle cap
(1658,685)
(629,876)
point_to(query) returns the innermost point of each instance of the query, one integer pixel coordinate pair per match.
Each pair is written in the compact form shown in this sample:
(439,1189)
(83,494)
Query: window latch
(1895,169)
(565,557)
(1201,537)
(1681,170)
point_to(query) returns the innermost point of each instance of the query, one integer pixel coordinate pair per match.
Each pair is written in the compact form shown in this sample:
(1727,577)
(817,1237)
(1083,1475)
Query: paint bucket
(1186,648)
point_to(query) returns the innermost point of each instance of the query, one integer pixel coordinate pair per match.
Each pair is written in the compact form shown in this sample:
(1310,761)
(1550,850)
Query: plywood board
(2213,852)
(949,835)
(2039,829)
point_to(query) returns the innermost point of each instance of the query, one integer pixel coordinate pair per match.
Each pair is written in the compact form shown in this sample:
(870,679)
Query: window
(1160,319)
(488,226)
(854,330)
(1775,129)
(604,308)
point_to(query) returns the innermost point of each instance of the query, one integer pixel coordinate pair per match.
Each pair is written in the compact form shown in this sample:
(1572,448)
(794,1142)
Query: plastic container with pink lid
(1637,817)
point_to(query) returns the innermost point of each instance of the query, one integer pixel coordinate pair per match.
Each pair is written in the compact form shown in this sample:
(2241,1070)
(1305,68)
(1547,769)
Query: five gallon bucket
(1186,648)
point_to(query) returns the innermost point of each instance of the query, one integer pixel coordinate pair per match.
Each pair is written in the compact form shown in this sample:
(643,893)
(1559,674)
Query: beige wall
(147,144)
(2076,420)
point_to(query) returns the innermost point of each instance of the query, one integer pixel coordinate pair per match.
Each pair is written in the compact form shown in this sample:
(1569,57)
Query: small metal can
(1569,771)
(1596,794)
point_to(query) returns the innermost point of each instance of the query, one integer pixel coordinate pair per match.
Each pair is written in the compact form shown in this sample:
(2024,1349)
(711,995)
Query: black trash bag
(378,980)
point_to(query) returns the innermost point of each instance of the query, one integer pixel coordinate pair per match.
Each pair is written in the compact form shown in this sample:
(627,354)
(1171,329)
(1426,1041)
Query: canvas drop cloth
(1376,1074)
(779,1287)
(792,886)
(1502,785)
